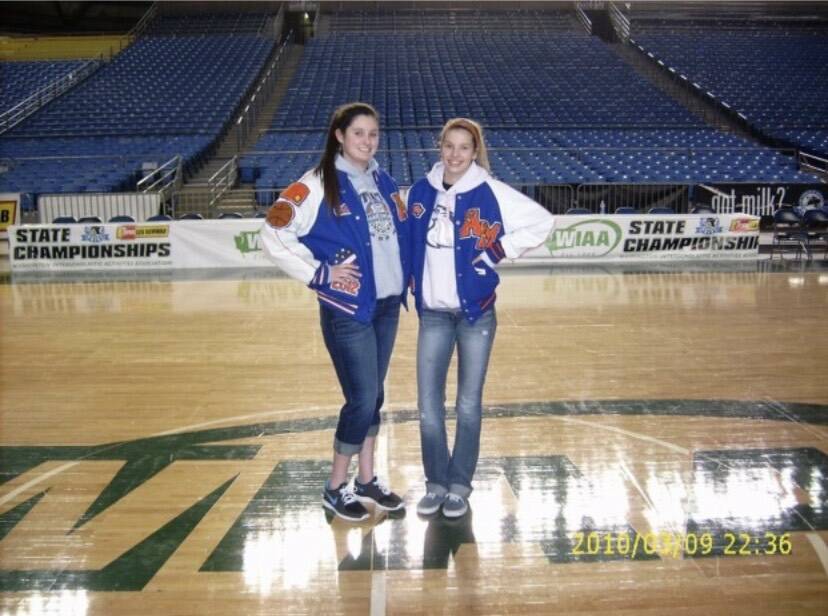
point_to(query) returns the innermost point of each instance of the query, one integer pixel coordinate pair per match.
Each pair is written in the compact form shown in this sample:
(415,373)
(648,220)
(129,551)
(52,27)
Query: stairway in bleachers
(241,198)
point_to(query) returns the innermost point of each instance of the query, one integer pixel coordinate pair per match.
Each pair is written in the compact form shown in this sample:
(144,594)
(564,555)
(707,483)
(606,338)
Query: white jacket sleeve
(289,218)
(526,223)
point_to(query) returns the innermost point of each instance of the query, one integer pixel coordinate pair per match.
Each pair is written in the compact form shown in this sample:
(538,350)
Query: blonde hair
(476,131)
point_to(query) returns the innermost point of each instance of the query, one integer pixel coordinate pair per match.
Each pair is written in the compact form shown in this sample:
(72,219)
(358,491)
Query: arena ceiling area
(40,17)
(68,17)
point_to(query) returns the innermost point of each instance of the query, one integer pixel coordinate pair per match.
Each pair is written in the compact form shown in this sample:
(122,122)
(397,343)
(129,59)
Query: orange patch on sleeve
(296,193)
(280,214)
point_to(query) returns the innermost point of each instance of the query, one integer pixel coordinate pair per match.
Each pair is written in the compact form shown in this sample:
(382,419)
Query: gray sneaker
(454,506)
(430,503)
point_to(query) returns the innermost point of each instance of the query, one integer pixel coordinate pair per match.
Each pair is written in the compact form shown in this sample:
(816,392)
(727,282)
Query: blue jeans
(360,353)
(439,332)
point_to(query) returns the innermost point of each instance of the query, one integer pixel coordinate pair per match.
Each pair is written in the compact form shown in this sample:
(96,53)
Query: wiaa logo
(589,238)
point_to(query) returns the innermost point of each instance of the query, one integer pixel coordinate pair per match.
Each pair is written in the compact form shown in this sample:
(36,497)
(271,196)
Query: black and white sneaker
(455,506)
(378,493)
(342,502)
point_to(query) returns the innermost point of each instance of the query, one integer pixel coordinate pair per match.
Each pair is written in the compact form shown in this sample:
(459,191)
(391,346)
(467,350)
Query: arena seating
(514,79)
(22,79)
(558,107)
(208,23)
(774,74)
(163,96)
(431,20)
(160,85)
(89,164)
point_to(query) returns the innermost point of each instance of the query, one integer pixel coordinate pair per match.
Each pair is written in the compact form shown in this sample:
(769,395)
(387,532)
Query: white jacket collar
(475,175)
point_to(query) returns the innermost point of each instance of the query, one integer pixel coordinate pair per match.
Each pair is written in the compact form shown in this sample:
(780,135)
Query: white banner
(189,244)
(651,237)
(218,243)
(154,246)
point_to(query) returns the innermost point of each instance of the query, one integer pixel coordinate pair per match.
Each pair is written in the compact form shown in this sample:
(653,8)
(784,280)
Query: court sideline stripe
(820,548)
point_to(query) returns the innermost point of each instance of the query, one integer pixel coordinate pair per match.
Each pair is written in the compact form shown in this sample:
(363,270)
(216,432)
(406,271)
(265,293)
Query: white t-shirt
(439,281)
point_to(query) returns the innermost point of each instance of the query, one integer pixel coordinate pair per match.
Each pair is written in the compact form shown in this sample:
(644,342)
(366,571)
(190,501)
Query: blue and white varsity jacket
(491,221)
(304,238)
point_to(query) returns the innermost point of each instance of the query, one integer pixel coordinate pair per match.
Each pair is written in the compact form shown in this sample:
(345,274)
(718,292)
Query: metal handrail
(582,17)
(139,28)
(164,176)
(620,21)
(804,161)
(12,117)
(223,180)
(261,93)
(22,110)
(316,18)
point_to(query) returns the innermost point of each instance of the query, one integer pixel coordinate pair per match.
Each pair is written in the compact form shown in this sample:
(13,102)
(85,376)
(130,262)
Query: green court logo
(588,238)
(291,491)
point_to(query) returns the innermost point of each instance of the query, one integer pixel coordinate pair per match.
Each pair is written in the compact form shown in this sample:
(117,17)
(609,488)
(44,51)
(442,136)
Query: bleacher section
(212,23)
(428,20)
(559,107)
(774,74)
(89,164)
(160,85)
(502,79)
(22,79)
(161,97)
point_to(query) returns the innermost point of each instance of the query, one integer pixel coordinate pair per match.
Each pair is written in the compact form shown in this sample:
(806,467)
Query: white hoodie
(526,224)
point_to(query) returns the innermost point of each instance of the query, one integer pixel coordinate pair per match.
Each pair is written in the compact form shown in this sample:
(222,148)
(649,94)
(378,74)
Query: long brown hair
(340,120)
(476,132)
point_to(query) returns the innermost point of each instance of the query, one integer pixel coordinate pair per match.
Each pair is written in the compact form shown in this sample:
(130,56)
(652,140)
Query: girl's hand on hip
(345,273)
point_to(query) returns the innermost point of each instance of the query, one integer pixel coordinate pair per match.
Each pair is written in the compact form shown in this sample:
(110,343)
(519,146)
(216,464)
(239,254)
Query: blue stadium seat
(162,96)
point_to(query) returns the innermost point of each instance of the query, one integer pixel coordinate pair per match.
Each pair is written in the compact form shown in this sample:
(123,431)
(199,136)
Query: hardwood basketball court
(654,442)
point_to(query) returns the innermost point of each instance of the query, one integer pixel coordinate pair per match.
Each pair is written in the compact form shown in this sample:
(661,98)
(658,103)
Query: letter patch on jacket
(296,193)
(418,210)
(474,226)
(280,214)
(344,255)
(401,213)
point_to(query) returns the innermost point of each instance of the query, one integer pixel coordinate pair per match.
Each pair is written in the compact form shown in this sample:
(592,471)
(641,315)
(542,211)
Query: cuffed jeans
(439,332)
(360,353)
